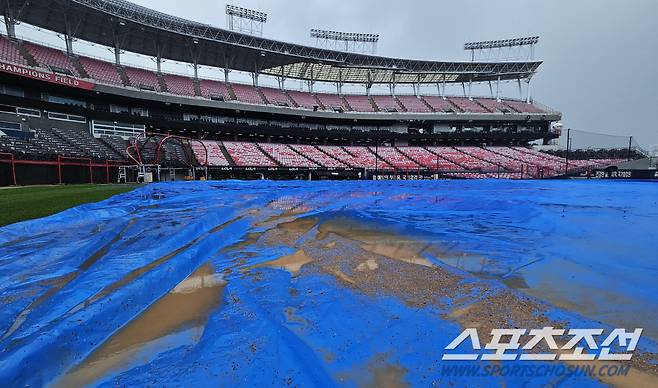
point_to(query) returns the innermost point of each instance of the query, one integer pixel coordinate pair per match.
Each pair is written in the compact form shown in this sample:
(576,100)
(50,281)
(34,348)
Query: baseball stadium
(306,215)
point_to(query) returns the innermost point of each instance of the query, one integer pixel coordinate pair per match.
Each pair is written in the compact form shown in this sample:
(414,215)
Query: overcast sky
(600,56)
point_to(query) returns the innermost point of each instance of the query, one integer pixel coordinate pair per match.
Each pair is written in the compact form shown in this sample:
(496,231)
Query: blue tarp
(177,283)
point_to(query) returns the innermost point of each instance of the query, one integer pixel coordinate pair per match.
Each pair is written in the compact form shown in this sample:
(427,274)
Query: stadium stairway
(333,157)
(346,104)
(400,104)
(427,104)
(475,156)
(231,92)
(161,82)
(320,104)
(303,156)
(227,156)
(455,162)
(292,100)
(374,105)
(75,61)
(197,87)
(26,53)
(263,97)
(122,74)
(276,163)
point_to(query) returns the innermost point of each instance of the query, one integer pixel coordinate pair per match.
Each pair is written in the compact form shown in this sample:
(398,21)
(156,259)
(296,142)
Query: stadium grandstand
(69,117)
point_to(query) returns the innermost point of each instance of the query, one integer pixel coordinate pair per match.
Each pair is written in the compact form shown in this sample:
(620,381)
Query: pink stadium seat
(428,159)
(317,156)
(439,104)
(413,104)
(247,155)
(276,97)
(303,99)
(210,88)
(465,160)
(180,85)
(101,71)
(493,105)
(247,93)
(366,159)
(50,57)
(394,158)
(386,103)
(213,150)
(467,105)
(523,107)
(332,101)
(142,78)
(10,53)
(489,155)
(286,156)
(360,103)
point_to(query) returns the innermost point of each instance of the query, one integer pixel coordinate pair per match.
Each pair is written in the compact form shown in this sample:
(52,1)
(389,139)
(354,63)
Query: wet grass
(26,203)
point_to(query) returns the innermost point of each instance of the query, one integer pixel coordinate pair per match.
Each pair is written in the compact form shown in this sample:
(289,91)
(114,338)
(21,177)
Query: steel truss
(128,25)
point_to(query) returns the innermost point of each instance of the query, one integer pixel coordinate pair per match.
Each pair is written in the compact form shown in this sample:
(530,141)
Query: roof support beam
(10,22)
(498,89)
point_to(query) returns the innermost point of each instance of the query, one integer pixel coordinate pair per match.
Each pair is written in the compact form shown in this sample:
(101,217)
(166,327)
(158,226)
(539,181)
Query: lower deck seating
(83,139)
(247,155)
(286,156)
(429,160)
(365,158)
(466,161)
(394,158)
(212,150)
(493,157)
(316,155)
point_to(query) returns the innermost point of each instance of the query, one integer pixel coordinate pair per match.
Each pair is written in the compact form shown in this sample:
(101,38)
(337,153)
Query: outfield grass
(26,203)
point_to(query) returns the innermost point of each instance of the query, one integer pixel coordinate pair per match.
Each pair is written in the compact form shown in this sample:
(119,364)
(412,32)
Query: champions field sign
(54,78)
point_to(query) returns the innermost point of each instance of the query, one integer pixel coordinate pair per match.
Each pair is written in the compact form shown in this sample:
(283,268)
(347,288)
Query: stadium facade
(62,110)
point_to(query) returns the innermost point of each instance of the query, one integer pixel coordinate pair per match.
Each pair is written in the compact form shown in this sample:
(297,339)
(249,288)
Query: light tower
(346,41)
(245,20)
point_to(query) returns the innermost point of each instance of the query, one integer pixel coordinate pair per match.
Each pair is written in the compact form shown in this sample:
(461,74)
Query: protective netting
(320,283)
(585,140)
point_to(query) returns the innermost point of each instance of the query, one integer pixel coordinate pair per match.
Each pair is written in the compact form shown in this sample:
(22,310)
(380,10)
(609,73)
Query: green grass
(26,203)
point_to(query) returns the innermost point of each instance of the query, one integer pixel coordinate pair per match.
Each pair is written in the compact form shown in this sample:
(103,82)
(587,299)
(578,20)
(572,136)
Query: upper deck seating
(413,104)
(9,52)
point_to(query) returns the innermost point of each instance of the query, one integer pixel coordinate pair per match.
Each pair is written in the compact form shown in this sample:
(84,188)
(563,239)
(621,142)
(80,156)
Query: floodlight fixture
(493,44)
(245,13)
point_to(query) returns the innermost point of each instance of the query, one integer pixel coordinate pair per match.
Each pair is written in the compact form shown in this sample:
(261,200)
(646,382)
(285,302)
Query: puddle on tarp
(331,283)
(176,319)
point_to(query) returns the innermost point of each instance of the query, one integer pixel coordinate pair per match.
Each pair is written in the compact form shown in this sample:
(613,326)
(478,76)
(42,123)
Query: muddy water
(378,261)
(176,319)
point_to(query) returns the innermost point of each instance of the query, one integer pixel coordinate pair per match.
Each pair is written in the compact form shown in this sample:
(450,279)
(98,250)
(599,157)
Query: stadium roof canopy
(142,30)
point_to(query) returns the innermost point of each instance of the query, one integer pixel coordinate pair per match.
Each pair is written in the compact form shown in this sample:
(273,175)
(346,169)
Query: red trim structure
(135,147)
(52,77)
(62,161)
